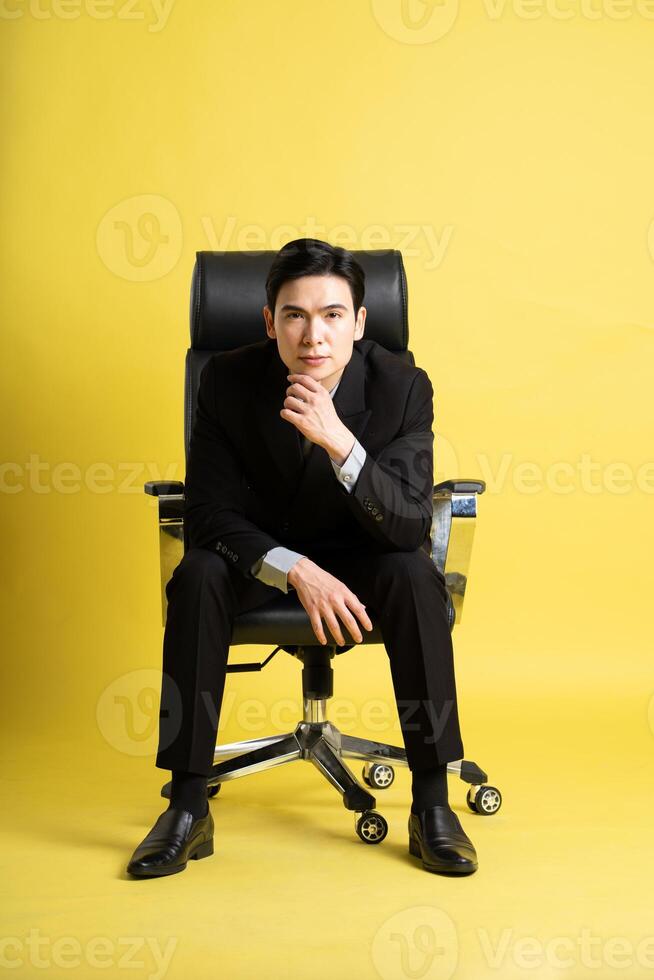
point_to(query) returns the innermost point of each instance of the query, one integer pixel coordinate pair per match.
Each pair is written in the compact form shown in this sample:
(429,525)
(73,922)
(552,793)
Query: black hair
(312,257)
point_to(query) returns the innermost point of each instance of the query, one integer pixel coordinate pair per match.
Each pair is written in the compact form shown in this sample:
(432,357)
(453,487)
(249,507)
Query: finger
(304,379)
(316,625)
(296,403)
(298,388)
(366,620)
(334,627)
(359,610)
(351,624)
(290,414)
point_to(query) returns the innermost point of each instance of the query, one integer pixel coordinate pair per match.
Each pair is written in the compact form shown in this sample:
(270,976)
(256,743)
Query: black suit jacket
(247,488)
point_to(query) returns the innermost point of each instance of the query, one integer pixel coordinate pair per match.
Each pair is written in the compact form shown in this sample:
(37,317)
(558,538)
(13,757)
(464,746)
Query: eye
(294,313)
(334,313)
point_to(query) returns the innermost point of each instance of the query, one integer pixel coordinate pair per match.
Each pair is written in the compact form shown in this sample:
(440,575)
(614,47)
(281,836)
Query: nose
(314,332)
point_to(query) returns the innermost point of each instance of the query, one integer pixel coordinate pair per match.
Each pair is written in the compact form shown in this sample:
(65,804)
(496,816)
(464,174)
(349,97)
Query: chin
(320,369)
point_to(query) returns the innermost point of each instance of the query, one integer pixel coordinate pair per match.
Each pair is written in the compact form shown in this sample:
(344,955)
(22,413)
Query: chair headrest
(228,293)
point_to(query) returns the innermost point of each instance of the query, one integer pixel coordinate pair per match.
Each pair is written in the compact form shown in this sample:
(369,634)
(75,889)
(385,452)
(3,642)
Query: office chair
(227,297)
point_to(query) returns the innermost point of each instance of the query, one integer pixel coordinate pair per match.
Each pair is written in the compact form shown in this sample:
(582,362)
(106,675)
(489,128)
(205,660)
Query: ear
(270,325)
(360,324)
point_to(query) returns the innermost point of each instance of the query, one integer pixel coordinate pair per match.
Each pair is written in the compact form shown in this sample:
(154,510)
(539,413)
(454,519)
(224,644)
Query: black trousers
(404,591)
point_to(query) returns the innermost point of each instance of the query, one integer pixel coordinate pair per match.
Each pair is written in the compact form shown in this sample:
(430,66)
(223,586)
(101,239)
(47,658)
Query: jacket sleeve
(213,511)
(392,497)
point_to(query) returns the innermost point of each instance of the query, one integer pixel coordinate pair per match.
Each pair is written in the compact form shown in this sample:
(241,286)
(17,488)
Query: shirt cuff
(348,473)
(274,567)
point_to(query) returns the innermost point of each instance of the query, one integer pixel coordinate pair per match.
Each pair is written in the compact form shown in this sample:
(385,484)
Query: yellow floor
(564,886)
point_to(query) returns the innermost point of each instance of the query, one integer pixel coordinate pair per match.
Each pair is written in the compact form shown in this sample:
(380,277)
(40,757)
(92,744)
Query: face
(314,316)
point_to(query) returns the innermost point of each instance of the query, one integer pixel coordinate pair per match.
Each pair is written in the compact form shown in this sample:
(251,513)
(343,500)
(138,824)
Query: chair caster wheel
(378,775)
(485,800)
(371,827)
(213,790)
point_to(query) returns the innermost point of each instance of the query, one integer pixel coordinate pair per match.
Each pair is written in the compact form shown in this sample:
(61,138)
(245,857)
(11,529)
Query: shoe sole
(416,850)
(202,851)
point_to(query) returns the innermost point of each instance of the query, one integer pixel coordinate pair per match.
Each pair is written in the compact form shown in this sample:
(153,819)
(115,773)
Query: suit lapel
(281,438)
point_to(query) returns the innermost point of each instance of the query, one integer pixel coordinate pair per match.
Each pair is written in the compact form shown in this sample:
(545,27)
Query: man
(311,467)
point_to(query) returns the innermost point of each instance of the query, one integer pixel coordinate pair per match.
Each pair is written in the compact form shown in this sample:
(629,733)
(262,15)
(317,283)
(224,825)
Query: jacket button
(285,526)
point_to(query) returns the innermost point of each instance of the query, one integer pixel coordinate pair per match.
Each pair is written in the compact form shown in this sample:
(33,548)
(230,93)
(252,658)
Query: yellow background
(507,150)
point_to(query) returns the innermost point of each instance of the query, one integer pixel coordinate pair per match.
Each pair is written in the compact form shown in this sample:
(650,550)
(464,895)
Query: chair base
(317,740)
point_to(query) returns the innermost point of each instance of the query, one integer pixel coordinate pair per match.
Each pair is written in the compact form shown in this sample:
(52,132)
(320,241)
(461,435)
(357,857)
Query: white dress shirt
(274,566)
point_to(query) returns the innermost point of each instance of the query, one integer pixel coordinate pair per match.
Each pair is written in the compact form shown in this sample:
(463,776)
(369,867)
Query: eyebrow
(330,306)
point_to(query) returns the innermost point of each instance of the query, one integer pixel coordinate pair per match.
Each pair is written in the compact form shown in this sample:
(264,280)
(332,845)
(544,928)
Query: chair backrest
(228,295)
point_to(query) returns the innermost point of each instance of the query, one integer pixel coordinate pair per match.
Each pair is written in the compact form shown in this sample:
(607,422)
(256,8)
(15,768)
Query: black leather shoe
(175,837)
(436,836)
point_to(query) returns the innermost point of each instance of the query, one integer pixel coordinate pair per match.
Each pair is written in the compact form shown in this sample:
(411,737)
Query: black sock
(189,792)
(429,787)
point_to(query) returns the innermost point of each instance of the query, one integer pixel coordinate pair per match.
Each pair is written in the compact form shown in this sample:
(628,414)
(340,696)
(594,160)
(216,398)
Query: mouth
(313,360)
